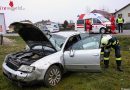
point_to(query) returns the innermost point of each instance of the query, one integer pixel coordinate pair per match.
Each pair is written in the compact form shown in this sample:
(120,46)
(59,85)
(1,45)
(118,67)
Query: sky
(55,10)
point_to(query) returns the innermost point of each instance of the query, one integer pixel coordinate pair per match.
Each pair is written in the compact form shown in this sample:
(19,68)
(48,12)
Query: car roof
(67,33)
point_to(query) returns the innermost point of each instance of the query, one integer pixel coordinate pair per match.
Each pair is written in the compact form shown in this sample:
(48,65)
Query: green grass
(106,80)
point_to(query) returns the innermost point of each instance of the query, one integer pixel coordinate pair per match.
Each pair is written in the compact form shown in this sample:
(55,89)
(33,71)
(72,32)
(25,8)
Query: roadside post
(1,39)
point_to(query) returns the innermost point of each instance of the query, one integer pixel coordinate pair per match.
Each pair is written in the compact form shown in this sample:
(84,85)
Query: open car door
(84,55)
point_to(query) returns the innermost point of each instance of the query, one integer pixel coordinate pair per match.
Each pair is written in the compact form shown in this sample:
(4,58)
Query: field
(106,80)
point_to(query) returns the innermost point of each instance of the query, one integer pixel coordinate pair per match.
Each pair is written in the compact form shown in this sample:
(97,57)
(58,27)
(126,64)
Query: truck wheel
(102,30)
(52,76)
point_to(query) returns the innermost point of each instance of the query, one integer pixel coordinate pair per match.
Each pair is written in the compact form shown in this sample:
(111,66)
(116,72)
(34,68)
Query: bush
(126,26)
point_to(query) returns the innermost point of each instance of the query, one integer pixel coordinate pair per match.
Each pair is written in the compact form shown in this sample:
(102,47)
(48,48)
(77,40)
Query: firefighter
(108,42)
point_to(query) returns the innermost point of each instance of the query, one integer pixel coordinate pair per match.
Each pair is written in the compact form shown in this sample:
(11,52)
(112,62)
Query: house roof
(28,21)
(123,8)
(104,13)
(43,22)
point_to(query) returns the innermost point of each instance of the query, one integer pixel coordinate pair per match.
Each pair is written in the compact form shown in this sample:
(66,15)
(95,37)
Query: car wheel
(102,30)
(52,76)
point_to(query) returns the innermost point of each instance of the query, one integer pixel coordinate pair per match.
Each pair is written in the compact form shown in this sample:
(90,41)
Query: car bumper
(21,77)
(20,82)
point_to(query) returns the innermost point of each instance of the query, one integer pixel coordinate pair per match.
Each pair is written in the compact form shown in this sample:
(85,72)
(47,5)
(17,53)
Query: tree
(65,24)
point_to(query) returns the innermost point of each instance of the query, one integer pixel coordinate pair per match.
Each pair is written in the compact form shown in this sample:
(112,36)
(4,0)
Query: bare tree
(65,24)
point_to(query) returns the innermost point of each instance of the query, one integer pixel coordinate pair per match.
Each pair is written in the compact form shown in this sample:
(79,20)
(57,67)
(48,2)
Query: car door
(96,25)
(84,55)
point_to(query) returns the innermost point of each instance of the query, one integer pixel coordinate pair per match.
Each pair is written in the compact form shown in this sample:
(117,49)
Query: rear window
(80,21)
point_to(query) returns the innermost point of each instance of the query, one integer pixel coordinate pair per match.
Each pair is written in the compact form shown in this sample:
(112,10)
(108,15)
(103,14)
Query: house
(26,21)
(125,12)
(41,24)
(47,25)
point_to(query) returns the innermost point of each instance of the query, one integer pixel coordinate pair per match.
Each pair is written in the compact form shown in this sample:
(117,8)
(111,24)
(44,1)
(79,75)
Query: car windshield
(103,19)
(57,41)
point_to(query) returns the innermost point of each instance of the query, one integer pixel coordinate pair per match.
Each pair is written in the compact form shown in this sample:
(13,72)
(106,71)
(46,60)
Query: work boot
(106,64)
(118,62)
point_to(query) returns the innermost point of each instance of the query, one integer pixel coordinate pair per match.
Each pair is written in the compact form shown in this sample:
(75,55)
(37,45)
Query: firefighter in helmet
(108,42)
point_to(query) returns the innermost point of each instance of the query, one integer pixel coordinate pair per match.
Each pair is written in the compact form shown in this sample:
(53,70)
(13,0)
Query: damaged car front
(25,67)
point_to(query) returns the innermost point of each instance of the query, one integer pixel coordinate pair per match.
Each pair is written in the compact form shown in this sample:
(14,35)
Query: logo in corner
(11,4)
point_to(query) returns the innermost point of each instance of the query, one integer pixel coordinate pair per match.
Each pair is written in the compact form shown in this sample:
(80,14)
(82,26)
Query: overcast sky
(56,10)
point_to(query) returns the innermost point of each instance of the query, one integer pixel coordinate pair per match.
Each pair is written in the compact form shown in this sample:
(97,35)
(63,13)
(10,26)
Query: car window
(57,41)
(103,19)
(72,40)
(55,26)
(91,42)
(96,21)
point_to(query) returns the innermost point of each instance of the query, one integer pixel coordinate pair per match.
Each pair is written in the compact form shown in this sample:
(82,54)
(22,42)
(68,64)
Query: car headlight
(7,57)
(26,68)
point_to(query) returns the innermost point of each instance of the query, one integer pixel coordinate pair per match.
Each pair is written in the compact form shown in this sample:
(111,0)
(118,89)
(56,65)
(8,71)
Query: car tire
(52,76)
(102,30)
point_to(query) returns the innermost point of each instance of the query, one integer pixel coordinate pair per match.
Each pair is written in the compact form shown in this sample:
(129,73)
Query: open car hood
(31,34)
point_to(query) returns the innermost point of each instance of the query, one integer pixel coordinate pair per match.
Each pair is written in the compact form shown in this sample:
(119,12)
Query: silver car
(49,56)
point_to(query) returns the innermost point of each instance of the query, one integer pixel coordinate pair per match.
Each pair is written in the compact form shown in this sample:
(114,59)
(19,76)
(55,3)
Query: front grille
(13,64)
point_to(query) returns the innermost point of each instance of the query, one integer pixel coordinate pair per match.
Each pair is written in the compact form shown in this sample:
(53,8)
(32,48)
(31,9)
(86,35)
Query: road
(125,32)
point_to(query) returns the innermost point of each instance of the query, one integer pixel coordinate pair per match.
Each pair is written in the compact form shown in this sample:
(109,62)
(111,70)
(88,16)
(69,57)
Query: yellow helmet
(105,39)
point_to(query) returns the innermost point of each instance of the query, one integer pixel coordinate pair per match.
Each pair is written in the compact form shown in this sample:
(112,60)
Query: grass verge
(106,80)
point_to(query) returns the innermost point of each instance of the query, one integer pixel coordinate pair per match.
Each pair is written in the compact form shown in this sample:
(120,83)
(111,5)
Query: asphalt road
(125,32)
